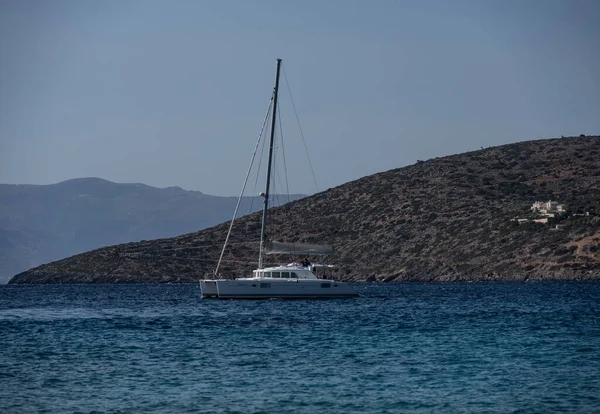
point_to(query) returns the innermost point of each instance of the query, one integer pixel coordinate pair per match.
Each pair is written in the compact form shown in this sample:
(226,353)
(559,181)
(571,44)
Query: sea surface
(410,347)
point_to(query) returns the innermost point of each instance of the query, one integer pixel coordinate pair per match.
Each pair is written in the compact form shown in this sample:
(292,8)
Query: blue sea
(409,347)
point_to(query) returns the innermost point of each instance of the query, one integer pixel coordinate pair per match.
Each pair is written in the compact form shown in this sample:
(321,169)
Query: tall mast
(266,202)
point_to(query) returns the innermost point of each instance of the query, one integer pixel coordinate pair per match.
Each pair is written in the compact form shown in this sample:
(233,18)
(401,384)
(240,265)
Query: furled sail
(275,247)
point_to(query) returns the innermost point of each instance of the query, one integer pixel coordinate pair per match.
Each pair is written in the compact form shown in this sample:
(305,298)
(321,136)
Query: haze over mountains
(448,218)
(42,223)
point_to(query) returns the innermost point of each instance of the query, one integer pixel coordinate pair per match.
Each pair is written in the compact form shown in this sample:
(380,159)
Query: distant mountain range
(43,223)
(449,218)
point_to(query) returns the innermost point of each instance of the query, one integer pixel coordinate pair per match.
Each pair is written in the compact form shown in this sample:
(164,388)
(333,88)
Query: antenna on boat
(266,194)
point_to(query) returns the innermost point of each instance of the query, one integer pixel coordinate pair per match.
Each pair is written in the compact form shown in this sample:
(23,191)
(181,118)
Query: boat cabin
(284,272)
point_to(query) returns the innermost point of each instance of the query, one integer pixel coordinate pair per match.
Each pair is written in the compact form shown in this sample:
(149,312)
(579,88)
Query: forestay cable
(244,186)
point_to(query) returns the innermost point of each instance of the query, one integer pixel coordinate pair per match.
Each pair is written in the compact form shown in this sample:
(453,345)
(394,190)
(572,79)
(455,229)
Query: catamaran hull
(209,288)
(268,289)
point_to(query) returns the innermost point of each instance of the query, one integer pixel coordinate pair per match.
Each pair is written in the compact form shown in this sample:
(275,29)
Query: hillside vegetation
(448,218)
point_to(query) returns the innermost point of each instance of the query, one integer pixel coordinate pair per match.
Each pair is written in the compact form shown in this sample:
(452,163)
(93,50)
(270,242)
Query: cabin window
(285,275)
(265,285)
(325,285)
(275,274)
(294,275)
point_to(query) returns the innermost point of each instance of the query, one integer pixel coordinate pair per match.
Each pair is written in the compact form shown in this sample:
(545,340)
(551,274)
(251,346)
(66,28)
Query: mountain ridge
(448,218)
(44,223)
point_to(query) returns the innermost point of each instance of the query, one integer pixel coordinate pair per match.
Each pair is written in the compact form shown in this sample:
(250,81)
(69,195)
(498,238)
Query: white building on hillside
(549,208)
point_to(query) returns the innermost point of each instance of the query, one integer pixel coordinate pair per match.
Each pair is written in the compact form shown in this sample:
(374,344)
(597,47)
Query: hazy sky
(174,92)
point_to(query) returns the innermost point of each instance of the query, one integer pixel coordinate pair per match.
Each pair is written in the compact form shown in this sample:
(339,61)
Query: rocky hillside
(449,218)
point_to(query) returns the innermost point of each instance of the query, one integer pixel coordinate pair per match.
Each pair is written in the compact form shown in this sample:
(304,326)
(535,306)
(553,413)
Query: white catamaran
(295,280)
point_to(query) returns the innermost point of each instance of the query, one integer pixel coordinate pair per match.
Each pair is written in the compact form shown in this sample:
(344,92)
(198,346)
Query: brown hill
(447,218)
